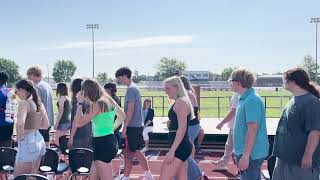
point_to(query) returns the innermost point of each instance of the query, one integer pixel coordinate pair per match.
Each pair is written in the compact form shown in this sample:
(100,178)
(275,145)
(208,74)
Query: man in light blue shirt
(250,131)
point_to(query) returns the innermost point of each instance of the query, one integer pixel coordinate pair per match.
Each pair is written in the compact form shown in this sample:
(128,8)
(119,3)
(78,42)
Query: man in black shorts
(44,91)
(133,123)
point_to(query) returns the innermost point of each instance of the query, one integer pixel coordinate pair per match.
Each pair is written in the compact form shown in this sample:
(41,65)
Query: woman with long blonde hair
(101,113)
(180,113)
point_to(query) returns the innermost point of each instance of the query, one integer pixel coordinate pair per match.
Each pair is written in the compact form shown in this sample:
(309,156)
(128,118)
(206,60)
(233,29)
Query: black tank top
(195,121)
(173,125)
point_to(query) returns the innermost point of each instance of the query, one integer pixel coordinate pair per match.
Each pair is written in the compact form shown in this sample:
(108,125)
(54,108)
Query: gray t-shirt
(133,95)
(300,116)
(44,91)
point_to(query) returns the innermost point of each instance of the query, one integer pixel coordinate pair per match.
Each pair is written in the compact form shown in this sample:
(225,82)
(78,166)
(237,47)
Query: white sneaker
(148,177)
(220,165)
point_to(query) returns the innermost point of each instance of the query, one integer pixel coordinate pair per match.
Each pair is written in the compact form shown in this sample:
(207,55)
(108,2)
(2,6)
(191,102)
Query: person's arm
(45,121)
(228,118)
(250,138)
(127,120)
(61,101)
(253,115)
(312,144)
(311,116)
(120,115)
(83,119)
(182,110)
(193,99)
(21,117)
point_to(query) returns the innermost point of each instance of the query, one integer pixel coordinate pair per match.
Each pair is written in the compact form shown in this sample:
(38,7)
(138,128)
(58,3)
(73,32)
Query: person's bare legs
(142,160)
(127,165)
(36,165)
(22,168)
(168,171)
(57,135)
(104,170)
(200,138)
(93,172)
(193,151)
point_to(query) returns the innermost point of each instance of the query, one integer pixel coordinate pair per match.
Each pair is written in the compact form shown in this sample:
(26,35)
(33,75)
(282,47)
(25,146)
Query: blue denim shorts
(31,147)
(253,171)
(64,126)
(194,171)
(193,132)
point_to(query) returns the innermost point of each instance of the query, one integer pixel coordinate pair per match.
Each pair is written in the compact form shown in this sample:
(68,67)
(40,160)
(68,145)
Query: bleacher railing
(217,107)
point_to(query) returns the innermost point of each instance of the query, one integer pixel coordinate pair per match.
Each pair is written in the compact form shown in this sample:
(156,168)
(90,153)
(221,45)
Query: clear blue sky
(264,35)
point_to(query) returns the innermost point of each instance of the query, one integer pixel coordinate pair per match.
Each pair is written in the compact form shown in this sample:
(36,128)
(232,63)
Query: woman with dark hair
(31,117)
(296,144)
(111,89)
(101,113)
(62,124)
(148,113)
(6,127)
(79,137)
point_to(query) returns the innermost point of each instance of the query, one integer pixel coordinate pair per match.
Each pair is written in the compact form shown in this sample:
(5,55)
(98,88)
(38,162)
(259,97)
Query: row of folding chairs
(80,160)
(76,162)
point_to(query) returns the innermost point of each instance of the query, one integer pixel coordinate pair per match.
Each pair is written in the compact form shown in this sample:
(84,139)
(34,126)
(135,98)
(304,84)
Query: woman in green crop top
(101,113)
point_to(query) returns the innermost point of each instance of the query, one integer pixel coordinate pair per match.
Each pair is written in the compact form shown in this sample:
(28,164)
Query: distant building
(269,81)
(196,75)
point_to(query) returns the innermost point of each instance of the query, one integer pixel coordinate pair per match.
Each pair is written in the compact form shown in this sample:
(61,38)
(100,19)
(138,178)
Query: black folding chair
(30,177)
(80,160)
(7,160)
(63,143)
(50,164)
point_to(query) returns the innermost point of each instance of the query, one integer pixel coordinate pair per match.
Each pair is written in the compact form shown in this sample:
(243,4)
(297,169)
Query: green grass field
(216,103)
(213,103)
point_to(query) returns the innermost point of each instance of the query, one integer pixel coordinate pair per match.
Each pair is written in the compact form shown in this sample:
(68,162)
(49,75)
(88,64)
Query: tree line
(64,70)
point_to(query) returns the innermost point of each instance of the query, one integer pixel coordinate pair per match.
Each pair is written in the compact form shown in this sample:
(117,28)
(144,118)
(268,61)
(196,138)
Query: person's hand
(169,157)
(124,133)
(70,142)
(306,162)
(56,126)
(243,163)
(219,126)
(80,97)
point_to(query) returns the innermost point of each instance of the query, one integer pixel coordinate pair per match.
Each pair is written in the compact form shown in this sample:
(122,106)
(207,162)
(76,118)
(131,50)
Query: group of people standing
(97,117)
(296,143)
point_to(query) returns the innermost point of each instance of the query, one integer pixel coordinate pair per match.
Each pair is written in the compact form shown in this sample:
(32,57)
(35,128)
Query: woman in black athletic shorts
(179,115)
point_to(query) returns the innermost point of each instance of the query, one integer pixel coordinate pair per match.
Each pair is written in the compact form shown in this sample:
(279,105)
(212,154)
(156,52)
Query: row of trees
(64,70)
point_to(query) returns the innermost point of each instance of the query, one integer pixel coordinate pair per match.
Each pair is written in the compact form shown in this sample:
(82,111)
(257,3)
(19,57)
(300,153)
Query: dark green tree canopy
(103,78)
(11,68)
(166,67)
(310,66)
(226,73)
(63,70)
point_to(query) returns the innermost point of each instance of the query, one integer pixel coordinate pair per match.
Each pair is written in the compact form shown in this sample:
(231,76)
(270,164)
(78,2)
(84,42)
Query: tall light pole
(316,20)
(92,27)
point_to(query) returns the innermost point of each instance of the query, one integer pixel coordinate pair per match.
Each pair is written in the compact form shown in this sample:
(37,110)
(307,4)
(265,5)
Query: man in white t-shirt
(222,163)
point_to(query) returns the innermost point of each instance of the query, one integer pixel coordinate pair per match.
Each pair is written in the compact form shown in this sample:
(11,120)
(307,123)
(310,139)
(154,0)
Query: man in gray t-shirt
(133,95)
(133,124)
(296,144)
